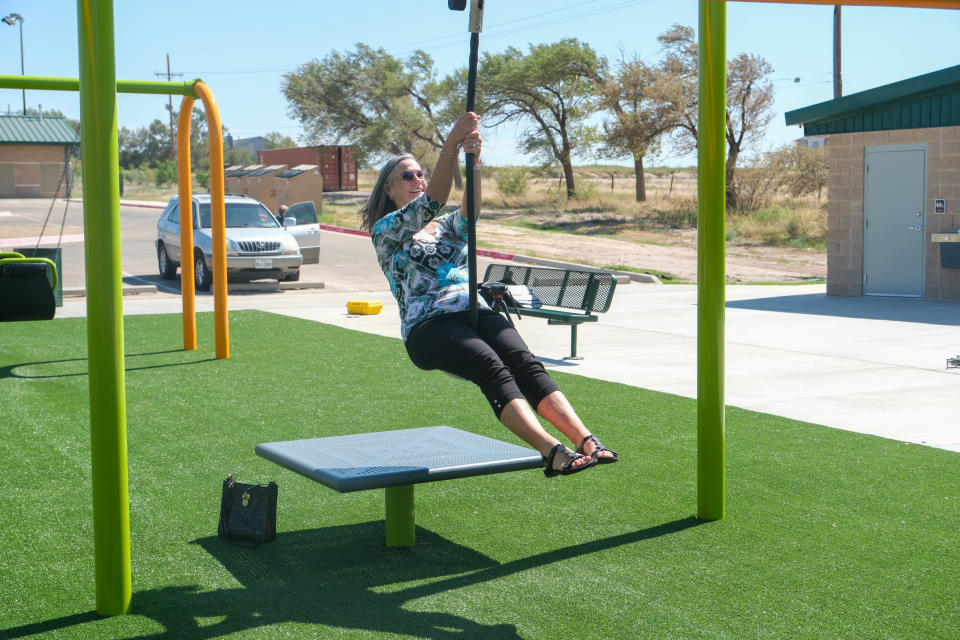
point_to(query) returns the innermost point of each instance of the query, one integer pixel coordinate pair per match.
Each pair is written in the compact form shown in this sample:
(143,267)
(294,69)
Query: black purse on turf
(248,512)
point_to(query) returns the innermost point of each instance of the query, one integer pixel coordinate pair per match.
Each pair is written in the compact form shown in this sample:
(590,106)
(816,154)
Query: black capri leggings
(494,357)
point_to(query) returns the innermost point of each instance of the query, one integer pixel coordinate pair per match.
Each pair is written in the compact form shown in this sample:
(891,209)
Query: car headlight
(232,249)
(291,248)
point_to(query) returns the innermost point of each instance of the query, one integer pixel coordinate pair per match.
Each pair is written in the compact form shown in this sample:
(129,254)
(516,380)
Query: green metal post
(711,170)
(401,531)
(40,83)
(101,227)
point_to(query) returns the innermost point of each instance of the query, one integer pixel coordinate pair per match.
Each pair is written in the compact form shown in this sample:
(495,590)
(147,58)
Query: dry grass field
(604,226)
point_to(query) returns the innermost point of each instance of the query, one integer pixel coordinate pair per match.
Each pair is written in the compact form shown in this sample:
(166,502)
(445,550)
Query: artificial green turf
(828,534)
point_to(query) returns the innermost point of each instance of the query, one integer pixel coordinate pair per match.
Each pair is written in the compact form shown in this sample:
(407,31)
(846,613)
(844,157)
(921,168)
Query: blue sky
(242,49)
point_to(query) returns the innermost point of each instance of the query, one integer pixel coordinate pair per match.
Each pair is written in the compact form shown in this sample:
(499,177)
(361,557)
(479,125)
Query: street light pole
(12,19)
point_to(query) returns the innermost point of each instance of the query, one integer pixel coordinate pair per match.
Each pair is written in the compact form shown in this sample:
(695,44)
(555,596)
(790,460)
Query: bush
(203,178)
(779,226)
(754,186)
(143,175)
(802,170)
(677,214)
(586,189)
(166,173)
(512,181)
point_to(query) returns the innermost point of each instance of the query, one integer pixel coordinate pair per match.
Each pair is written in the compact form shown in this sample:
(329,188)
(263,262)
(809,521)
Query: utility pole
(173,136)
(837,78)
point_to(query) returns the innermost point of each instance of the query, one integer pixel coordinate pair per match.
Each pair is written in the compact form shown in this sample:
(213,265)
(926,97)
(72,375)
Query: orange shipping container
(348,169)
(338,164)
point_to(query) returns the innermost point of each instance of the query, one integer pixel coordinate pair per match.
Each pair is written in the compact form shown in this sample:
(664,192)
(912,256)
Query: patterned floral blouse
(428,272)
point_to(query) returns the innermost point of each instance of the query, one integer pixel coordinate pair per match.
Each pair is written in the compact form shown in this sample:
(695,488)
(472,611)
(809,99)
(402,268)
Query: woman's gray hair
(380,204)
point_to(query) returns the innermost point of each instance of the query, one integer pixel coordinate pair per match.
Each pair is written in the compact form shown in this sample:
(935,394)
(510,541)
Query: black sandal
(605,460)
(568,468)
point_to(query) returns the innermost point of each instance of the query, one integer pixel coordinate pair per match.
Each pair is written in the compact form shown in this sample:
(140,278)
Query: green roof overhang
(930,100)
(48,130)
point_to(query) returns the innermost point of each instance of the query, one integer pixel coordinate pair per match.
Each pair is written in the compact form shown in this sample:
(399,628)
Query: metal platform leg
(573,344)
(401,530)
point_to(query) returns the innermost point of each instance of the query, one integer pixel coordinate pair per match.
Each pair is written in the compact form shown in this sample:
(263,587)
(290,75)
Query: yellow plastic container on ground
(364,307)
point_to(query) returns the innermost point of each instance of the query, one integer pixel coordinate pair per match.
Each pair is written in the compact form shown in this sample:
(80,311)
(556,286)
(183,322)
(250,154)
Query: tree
(200,143)
(382,104)
(144,145)
(238,155)
(640,116)
(276,140)
(199,139)
(803,170)
(549,92)
(749,97)
(128,148)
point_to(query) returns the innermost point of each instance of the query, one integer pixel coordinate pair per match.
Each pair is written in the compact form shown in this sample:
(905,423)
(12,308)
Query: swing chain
(53,201)
(67,192)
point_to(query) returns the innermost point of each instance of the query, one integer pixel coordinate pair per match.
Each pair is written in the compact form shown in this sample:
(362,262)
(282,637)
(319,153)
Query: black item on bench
(500,299)
(576,296)
(248,512)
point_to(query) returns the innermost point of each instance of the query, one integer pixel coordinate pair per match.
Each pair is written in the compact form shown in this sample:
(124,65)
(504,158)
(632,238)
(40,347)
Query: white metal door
(893,212)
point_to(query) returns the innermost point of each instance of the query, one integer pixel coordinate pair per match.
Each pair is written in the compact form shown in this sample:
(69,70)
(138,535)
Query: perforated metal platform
(397,458)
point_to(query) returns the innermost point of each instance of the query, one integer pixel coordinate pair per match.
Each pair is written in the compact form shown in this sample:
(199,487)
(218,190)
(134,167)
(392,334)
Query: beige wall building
(34,154)
(894,187)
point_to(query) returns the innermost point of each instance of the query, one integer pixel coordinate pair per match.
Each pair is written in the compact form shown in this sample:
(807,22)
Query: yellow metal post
(187,295)
(218,220)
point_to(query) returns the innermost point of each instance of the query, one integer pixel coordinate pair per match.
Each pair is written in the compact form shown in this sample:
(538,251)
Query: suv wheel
(168,268)
(293,277)
(202,276)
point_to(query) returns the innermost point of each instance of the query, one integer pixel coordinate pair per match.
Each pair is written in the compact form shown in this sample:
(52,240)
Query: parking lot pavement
(871,365)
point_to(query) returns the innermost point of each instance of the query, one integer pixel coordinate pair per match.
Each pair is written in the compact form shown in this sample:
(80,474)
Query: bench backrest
(588,291)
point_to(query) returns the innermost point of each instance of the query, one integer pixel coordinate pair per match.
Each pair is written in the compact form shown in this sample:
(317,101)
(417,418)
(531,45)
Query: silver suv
(257,246)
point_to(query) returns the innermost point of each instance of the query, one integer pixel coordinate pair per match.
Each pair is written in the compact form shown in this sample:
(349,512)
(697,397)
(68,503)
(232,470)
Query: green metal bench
(569,297)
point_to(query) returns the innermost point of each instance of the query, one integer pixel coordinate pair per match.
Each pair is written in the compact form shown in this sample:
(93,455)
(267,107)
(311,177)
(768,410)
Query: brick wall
(943,181)
(31,171)
(845,206)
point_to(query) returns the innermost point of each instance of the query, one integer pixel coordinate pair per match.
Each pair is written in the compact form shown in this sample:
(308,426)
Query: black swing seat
(26,288)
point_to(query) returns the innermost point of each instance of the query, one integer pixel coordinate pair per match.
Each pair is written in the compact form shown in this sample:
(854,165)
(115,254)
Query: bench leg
(573,344)
(401,530)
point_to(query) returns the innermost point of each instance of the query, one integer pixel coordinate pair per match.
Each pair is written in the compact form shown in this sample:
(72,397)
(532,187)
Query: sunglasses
(408,176)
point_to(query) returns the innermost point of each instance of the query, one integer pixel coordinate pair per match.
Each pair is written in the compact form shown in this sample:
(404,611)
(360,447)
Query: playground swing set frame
(98,88)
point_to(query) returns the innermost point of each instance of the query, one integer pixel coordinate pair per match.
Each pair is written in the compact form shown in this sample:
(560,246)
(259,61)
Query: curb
(347,230)
(487,253)
(142,205)
(134,289)
(133,203)
(127,290)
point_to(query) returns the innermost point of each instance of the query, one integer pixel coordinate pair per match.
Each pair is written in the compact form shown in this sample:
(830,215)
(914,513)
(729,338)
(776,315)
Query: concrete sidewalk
(871,365)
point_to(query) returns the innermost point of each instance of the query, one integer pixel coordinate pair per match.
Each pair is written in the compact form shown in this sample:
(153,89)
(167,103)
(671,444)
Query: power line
(501,30)
(239,72)
(517,26)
